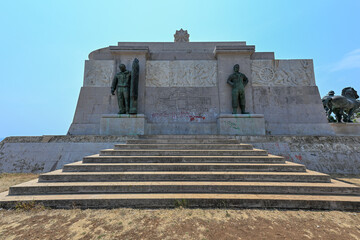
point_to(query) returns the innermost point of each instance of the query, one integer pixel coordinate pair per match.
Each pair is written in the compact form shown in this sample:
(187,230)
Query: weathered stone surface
(282,72)
(185,105)
(241,124)
(122,124)
(200,73)
(99,73)
(346,129)
(328,154)
(182,127)
(291,110)
(185,82)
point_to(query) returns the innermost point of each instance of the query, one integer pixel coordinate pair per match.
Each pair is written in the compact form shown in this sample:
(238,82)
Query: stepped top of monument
(166,50)
(180,49)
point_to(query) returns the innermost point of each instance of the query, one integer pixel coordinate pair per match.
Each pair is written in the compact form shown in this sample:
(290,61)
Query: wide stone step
(184,141)
(123,167)
(200,200)
(136,152)
(183,146)
(59,176)
(188,136)
(183,159)
(333,188)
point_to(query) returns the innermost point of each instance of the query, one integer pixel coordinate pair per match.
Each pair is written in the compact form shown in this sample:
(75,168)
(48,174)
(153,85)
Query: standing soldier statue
(121,84)
(238,81)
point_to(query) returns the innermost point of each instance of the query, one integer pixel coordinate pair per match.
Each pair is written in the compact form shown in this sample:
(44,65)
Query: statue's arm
(113,85)
(246,80)
(229,80)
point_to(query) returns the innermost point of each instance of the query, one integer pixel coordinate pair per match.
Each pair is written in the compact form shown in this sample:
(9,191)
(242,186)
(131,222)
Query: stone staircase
(189,171)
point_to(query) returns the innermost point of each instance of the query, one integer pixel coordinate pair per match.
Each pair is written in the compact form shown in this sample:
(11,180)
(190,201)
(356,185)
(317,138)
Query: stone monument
(183,89)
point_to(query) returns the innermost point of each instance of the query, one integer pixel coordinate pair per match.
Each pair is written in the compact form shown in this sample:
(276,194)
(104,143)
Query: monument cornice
(248,49)
(129,49)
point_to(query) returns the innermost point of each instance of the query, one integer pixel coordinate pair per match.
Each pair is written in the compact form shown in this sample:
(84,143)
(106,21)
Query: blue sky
(44,44)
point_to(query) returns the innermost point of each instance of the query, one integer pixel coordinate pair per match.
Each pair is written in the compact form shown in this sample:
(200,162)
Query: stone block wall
(183,88)
(327,154)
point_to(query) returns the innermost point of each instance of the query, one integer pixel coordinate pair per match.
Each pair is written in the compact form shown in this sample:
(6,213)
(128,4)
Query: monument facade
(183,89)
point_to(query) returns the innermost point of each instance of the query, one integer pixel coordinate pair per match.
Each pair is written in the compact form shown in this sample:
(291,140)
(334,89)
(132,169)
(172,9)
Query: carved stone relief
(99,73)
(201,73)
(282,73)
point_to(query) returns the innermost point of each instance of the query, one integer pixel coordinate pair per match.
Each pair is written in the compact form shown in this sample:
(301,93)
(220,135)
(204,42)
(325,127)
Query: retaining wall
(328,154)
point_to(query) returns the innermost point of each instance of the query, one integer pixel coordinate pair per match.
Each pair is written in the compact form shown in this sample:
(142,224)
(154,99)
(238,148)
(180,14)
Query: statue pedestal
(346,129)
(122,124)
(241,124)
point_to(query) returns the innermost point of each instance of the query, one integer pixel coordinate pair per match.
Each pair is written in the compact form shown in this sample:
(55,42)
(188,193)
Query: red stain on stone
(192,118)
(299,157)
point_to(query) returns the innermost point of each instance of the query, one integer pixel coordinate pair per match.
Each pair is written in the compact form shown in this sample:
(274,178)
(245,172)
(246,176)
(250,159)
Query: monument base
(346,129)
(122,124)
(241,124)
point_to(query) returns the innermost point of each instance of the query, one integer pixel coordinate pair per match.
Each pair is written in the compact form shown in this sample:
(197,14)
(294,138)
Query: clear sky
(44,44)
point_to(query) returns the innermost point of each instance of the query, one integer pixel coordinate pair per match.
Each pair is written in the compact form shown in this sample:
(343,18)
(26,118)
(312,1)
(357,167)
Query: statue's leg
(121,100)
(126,99)
(338,116)
(242,102)
(350,114)
(235,101)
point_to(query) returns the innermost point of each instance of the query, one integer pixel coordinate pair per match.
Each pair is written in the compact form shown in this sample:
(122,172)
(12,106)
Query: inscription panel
(200,73)
(282,73)
(191,104)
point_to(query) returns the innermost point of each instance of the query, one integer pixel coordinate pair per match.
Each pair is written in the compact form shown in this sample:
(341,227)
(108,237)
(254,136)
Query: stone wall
(328,154)
(183,88)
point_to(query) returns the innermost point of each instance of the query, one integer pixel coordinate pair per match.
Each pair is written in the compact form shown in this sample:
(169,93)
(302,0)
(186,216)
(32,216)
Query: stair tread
(182,150)
(307,173)
(269,156)
(333,183)
(182,144)
(4,197)
(184,164)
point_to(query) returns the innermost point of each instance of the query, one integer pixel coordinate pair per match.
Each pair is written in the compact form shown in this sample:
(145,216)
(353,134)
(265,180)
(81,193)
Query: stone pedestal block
(241,124)
(346,129)
(122,124)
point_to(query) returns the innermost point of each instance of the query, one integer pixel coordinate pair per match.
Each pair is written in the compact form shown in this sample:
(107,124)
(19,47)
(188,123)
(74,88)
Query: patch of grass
(181,203)
(29,205)
(101,236)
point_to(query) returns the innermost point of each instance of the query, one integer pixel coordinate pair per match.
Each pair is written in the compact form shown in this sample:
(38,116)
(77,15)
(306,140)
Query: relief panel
(282,73)
(200,73)
(99,73)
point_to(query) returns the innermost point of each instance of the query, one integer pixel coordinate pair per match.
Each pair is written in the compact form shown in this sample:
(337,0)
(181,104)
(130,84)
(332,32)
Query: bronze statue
(325,102)
(126,85)
(238,81)
(134,86)
(121,83)
(343,106)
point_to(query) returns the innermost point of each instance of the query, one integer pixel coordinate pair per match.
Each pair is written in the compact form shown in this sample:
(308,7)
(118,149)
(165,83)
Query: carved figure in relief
(238,81)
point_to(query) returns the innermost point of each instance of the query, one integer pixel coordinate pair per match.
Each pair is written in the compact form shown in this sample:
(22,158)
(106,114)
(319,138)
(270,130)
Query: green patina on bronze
(134,86)
(121,83)
(343,106)
(126,85)
(238,81)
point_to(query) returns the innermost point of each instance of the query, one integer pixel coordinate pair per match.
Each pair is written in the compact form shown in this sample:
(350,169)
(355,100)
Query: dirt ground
(10,179)
(180,223)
